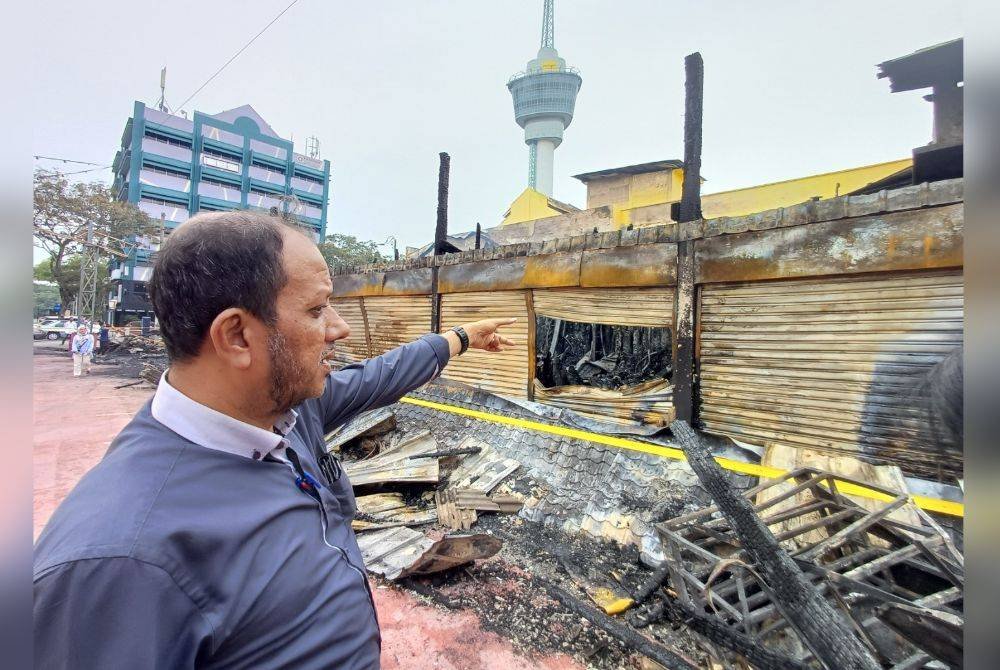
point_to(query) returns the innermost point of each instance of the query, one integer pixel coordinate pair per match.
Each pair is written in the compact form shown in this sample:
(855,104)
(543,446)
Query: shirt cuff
(442,350)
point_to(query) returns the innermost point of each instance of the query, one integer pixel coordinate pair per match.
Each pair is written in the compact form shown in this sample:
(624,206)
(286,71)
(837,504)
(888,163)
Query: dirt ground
(495,614)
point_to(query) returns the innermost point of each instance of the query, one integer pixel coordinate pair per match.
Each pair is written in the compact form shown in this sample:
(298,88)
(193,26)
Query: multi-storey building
(173,167)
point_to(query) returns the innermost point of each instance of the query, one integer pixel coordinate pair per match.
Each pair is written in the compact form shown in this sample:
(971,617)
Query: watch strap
(463,337)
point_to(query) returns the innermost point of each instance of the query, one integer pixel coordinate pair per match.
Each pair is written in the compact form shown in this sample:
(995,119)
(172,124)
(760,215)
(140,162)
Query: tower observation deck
(544,99)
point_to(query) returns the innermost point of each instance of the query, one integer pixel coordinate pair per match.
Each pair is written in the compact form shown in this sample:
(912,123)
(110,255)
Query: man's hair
(211,263)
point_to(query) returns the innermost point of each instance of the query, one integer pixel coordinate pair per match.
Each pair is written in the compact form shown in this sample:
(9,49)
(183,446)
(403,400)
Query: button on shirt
(182,549)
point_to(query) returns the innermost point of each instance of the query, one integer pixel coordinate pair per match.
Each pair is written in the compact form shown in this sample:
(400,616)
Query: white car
(54,330)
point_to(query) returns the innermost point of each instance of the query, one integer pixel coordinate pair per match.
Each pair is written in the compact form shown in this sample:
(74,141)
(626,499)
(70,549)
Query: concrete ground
(75,420)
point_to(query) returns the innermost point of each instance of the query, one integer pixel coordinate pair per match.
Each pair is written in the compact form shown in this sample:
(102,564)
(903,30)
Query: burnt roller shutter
(354,347)
(504,373)
(648,402)
(396,320)
(653,307)
(829,364)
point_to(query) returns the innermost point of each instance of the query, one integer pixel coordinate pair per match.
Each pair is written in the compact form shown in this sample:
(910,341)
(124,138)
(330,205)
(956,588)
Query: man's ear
(237,336)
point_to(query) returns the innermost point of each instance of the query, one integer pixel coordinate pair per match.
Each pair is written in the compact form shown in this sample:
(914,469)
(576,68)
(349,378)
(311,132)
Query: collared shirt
(168,554)
(212,429)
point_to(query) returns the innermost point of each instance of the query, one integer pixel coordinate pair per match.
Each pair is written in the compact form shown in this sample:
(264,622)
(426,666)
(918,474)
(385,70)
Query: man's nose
(336,327)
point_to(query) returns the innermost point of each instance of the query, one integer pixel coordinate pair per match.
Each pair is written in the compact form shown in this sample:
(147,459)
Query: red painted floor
(75,420)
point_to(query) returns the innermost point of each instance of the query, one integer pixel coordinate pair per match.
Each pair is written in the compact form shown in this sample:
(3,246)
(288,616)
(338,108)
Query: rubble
(746,593)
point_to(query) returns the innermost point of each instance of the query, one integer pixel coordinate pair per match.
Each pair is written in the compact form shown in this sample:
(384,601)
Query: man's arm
(385,379)
(116,613)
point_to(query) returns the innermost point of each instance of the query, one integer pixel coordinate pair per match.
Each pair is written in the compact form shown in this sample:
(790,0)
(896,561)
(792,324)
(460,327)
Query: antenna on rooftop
(312,147)
(162,103)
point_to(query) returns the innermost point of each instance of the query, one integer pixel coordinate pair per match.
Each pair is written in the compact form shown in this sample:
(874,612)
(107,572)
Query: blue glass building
(173,167)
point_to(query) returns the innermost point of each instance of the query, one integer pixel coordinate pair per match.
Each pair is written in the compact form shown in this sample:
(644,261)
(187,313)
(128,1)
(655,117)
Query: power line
(93,169)
(64,160)
(242,49)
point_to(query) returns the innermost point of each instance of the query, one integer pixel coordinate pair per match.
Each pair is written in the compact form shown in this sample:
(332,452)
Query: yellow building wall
(663,187)
(794,191)
(528,206)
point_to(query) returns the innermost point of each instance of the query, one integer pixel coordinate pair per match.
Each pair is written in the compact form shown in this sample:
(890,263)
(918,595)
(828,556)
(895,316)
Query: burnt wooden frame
(711,576)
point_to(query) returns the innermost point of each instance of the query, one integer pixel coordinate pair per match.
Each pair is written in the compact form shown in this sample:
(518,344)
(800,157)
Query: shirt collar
(209,428)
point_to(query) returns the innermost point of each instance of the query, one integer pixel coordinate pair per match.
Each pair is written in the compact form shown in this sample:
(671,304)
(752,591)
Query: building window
(310,178)
(166,171)
(153,135)
(269,167)
(220,161)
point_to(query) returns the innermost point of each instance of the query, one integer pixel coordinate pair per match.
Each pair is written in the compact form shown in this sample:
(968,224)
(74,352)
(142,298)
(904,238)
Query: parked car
(54,330)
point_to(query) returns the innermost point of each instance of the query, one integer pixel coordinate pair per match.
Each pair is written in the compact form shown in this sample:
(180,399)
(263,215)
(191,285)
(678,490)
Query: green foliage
(341,250)
(61,214)
(45,298)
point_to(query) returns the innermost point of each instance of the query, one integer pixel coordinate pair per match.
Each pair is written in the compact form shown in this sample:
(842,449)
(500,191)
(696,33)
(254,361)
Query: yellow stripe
(763,471)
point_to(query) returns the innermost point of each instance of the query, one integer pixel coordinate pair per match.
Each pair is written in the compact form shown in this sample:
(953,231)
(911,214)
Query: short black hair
(212,262)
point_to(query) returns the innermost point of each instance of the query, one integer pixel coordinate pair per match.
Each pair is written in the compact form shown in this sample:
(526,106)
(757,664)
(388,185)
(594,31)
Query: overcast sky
(790,89)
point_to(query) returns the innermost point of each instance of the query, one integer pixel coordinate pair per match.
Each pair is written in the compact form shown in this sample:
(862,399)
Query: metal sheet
(354,347)
(504,373)
(651,307)
(829,364)
(396,320)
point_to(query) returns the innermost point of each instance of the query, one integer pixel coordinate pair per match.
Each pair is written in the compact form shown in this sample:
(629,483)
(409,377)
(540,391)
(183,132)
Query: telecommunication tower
(544,99)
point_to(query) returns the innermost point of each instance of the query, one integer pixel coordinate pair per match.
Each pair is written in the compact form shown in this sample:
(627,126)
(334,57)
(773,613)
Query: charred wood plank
(621,631)
(824,630)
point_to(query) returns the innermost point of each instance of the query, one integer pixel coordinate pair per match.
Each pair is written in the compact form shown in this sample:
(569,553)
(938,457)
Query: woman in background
(82,348)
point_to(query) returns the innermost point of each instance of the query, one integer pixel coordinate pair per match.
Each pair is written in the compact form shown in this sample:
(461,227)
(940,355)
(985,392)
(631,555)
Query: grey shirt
(171,555)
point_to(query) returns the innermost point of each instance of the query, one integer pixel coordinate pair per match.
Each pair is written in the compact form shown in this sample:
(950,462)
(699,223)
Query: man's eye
(316,311)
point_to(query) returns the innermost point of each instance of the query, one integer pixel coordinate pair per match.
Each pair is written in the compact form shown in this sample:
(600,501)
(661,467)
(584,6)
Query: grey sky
(790,89)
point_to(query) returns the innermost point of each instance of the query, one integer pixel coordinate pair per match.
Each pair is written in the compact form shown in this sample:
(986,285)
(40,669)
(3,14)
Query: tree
(67,278)
(348,250)
(61,214)
(46,297)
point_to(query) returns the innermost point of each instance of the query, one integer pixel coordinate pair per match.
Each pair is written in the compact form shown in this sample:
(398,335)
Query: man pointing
(208,536)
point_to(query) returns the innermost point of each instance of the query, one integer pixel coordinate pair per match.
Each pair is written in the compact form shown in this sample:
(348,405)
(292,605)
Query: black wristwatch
(463,337)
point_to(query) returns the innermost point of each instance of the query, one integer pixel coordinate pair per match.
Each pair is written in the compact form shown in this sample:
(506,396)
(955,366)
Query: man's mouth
(328,359)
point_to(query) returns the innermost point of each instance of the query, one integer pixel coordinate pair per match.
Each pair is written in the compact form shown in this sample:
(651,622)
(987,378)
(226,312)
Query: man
(207,536)
(82,348)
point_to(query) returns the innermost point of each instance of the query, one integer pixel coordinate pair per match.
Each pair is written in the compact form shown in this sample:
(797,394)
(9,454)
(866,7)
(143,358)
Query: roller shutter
(830,364)
(396,320)
(653,307)
(504,373)
(354,347)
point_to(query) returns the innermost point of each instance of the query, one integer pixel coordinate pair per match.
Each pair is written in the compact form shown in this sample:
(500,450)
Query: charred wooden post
(479,235)
(690,210)
(823,629)
(440,236)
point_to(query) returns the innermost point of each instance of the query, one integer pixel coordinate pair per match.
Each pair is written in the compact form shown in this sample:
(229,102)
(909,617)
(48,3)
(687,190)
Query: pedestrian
(209,536)
(82,347)
(105,339)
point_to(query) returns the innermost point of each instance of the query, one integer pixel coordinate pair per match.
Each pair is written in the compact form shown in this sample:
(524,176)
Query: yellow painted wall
(528,206)
(630,192)
(633,199)
(793,191)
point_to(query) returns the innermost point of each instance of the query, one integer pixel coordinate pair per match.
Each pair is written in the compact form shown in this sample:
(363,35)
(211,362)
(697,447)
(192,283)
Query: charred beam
(690,210)
(621,631)
(823,629)
(440,236)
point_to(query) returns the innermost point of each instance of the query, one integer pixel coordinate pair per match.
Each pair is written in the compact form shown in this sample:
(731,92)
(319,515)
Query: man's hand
(482,335)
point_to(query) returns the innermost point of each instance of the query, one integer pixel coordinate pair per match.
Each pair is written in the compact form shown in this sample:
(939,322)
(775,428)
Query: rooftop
(937,64)
(640,168)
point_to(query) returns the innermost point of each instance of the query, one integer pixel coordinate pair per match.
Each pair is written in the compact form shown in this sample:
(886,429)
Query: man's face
(301,343)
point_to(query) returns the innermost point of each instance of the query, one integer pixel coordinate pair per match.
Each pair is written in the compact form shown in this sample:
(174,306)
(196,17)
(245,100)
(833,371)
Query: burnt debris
(570,353)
